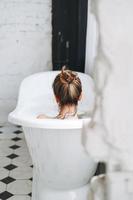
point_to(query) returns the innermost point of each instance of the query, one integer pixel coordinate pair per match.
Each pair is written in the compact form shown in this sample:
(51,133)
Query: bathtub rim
(31,121)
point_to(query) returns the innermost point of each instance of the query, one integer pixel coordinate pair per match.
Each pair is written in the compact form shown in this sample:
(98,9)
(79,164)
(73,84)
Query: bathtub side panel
(60,157)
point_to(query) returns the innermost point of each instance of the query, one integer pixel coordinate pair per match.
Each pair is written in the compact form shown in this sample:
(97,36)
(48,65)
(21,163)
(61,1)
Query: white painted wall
(25,46)
(91,40)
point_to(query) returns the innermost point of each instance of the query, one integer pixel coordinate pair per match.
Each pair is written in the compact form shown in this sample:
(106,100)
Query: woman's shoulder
(84,115)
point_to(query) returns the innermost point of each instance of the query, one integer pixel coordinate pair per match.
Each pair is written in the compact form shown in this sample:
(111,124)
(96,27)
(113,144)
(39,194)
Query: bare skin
(67,109)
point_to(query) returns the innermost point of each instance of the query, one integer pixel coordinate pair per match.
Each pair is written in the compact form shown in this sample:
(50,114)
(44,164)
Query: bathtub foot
(53,194)
(45,193)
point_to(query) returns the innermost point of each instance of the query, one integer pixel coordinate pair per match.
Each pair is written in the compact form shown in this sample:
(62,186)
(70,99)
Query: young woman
(67,89)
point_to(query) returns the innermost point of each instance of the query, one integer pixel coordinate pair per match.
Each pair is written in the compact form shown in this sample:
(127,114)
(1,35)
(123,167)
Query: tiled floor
(15,165)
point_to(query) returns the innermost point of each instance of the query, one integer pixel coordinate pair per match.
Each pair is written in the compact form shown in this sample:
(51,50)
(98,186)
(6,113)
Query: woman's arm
(42,116)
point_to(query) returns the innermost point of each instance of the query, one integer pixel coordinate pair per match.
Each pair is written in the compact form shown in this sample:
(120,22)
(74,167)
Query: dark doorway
(69,21)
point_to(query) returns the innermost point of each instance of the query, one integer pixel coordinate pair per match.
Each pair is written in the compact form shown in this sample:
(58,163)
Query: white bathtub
(62,168)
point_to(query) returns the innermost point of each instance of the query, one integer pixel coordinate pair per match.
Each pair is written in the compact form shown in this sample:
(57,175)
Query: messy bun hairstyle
(67,87)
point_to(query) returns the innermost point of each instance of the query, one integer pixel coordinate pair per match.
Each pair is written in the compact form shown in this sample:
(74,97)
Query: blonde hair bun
(67,75)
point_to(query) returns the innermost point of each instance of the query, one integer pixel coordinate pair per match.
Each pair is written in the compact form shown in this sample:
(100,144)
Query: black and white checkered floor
(15,165)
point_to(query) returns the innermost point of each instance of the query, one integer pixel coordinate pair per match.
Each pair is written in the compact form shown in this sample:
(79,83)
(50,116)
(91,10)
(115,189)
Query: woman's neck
(68,109)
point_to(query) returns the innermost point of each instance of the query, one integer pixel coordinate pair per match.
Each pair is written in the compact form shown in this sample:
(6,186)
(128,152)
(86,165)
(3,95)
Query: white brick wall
(25,46)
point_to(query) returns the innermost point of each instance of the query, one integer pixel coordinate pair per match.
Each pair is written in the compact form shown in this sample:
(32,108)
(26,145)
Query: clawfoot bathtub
(62,169)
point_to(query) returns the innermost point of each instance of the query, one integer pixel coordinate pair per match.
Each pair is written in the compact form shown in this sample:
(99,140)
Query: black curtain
(69,22)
